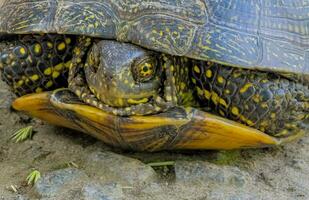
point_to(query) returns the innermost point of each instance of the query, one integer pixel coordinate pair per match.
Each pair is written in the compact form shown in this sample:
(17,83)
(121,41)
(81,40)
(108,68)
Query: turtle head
(121,75)
(128,80)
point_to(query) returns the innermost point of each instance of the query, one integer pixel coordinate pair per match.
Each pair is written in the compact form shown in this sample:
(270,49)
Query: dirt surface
(101,172)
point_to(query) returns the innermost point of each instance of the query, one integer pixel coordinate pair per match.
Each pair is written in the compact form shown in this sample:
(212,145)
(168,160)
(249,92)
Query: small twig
(13,188)
(160,164)
(72,164)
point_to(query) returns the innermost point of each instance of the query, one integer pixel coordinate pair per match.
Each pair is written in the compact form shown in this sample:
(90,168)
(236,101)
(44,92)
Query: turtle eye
(145,70)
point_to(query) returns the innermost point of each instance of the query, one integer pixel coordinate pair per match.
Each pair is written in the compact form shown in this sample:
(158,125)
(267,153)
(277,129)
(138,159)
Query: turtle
(158,75)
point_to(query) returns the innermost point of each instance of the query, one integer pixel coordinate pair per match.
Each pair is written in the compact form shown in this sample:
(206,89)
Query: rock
(55,182)
(299,164)
(96,191)
(210,174)
(153,189)
(111,167)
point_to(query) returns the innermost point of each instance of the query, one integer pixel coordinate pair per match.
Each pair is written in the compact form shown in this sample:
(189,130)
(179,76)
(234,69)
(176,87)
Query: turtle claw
(177,128)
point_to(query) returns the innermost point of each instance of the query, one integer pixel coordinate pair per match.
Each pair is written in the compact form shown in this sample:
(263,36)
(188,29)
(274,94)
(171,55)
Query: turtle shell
(270,35)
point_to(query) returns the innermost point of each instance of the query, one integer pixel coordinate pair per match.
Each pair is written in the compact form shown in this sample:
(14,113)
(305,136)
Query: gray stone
(96,191)
(153,189)
(299,164)
(58,181)
(219,193)
(111,167)
(208,173)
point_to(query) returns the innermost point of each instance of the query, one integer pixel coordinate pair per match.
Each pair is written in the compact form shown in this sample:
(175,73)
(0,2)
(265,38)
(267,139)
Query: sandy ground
(272,173)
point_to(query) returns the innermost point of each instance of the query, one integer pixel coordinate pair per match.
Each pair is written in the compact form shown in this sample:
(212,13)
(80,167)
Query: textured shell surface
(269,35)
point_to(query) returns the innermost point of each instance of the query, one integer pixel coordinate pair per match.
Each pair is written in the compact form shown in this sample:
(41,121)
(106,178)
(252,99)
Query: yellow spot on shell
(68,64)
(221,113)
(250,123)
(20,83)
(216,99)
(264,105)
(193,80)
(169,98)
(55,74)
(68,40)
(48,71)
(135,101)
(199,91)
(264,124)
(61,46)
(59,67)
(223,102)
(256,98)
(236,74)
(37,48)
(182,85)
(220,79)
(49,84)
(50,45)
(22,51)
(172,68)
(196,69)
(34,77)
(120,102)
(207,94)
(37,90)
(208,73)
(235,111)
(245,88)
(157,108)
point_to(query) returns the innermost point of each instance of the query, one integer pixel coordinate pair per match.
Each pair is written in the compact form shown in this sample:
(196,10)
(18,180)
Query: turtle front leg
(269,102)
(35,63)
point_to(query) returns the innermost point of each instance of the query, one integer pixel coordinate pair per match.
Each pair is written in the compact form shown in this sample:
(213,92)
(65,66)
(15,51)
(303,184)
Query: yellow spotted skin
(35,63)
(265,101)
